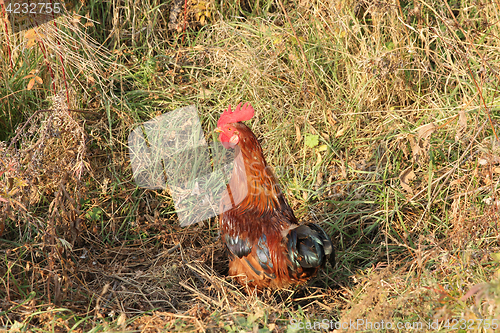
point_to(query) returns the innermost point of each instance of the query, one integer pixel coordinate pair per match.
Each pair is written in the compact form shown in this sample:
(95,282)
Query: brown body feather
(257,221)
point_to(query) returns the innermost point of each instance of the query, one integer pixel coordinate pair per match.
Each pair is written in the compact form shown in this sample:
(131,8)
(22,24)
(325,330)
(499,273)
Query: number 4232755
(34,8)
(472,323)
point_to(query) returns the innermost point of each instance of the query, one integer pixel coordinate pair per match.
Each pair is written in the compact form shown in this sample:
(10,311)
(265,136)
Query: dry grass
(380,120)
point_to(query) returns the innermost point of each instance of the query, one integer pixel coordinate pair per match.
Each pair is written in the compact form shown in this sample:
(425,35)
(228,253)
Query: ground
(380,120)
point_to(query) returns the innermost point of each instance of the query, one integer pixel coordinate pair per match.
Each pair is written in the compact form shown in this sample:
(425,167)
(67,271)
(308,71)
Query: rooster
(267,245)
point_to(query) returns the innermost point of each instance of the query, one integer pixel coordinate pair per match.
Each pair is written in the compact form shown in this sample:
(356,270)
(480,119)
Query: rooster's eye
(229,129)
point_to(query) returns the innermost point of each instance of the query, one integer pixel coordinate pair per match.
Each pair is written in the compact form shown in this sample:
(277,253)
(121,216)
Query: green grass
(379,119)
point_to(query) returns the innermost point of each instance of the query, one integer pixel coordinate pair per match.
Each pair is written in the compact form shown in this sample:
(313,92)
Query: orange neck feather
(253,184)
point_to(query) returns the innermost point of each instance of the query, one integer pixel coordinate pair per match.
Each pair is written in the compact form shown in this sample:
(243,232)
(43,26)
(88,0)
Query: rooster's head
(226,126)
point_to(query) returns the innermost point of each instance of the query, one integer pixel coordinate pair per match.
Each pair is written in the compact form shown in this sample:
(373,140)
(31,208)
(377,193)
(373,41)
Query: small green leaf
(496,256)
(322,148)
(94,215)
(311,140)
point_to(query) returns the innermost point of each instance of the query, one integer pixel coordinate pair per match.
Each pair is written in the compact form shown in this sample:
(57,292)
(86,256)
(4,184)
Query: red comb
(241,113)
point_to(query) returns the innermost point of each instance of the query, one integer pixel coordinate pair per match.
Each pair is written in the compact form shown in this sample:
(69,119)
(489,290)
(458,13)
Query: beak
(217,130)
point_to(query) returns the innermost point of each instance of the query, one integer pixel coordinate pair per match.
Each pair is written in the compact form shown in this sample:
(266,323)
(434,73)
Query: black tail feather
(309,246)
